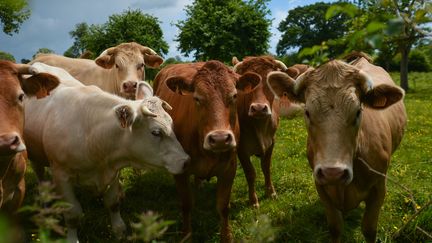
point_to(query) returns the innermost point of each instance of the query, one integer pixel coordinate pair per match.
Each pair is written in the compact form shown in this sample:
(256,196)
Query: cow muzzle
(11,143)
(259,110)
(219,141)
(129,87)
(333,175)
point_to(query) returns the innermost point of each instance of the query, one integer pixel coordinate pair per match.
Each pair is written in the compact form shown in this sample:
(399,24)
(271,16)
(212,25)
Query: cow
(13,88)
(355,119)
(203,98)
(116,70)
(258,113)
(88,135)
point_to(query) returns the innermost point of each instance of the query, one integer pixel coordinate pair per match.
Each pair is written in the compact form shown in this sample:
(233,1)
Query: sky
(52,20)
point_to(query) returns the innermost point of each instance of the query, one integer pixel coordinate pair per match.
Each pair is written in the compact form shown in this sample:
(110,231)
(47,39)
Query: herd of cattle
(195,120)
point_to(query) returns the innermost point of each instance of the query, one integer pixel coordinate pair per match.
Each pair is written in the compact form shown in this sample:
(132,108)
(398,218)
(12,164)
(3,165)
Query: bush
(418,61)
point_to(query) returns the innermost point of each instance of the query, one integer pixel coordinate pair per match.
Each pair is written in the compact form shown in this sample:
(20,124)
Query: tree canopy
(305,27)
(6,56)
(12,14)
(131,25)
(223,29)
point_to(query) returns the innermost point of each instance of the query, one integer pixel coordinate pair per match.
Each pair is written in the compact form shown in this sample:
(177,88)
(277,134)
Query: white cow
(117,69)
(88,135)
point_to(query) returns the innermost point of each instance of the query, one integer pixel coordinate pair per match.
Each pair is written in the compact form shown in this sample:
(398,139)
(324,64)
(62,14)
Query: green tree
(42,50)
(6,56)
(306,27)
(131,25)
(78,47)
(223,29)
(12,14)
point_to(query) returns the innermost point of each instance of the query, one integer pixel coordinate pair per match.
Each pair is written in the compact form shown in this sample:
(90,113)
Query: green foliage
(149,227)
(418,61)
(131,25)
(42,50)
(6,56)
(223,29)
(305,27)
(12,14)
(261,230)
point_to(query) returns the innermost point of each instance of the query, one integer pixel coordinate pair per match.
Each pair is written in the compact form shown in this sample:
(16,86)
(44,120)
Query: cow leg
(250,174)
(72,216)
(335,223)
(185,195)
(265,166)
(223,194)
(373,202)
(112,198)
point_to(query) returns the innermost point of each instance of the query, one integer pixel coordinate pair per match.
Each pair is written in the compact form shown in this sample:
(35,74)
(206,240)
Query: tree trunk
(404,67)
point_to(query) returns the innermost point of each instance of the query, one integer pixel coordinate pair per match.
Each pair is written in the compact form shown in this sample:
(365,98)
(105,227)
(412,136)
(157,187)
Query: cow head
(259,101)
(214,90)
(127,62)
(13,89)
(334,95)
(154,141)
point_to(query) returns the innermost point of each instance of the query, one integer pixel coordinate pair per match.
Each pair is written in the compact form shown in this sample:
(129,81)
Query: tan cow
(88,135)
(203,97)
(13,157)
(117,70)
(258,113)
(355,119)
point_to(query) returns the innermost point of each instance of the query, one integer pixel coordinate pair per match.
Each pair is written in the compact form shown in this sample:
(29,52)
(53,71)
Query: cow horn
(146,112)
(166,106)
(237,66)
(281,65)
(147,50)
(108,51)
(299,82)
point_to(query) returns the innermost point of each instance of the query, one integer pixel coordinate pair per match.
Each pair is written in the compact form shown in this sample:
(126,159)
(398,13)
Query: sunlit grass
(297,214)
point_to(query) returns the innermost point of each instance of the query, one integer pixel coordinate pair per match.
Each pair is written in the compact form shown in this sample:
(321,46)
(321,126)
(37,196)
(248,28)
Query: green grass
(297,215)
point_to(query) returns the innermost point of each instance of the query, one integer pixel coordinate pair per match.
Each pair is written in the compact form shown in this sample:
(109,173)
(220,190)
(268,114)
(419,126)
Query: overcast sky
(52,20)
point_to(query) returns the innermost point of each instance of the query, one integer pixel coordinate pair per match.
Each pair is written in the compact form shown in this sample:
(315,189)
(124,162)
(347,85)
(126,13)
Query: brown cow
(117,69)
(355,120)
(203,98)
(13,88)
(258,113)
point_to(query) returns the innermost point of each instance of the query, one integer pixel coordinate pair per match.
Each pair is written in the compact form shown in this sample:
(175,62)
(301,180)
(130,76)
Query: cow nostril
(135,84)
(265,109)
(16,141)
(211,140)
(319,173)
(345,175)
(228,139)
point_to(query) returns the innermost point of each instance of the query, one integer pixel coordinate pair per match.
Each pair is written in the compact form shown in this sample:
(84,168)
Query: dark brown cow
(258,113)
(355,119)
(12,149)
(203,98)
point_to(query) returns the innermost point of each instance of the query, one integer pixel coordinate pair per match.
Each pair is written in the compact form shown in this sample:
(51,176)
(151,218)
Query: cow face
(214,90)
(335,96)
(127,62)
(13,89)
(154,142)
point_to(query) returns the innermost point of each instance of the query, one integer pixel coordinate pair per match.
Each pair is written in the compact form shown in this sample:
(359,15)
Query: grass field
(297,214)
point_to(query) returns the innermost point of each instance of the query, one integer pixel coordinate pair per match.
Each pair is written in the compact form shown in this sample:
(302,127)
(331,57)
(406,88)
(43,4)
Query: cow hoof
(255,205)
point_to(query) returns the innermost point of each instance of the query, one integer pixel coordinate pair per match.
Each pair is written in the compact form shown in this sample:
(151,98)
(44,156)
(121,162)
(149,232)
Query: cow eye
(21,97)
(157,133)
(140,66)
(117,66)
(197,100)
(358,116)
(307,114)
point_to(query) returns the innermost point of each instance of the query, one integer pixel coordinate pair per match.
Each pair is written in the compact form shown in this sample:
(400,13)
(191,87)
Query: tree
(42,50)
(223,29)
(12,14)
(306,27)
(78,47)
(131,25)
(6,56)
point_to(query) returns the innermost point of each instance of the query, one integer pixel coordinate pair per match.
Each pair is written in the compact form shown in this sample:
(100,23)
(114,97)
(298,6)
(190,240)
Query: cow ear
(105,61)
(179,85)
(281,84)
(153,61)
(248,81)
(382,96)
(144,90)
(39,85)
(125,115)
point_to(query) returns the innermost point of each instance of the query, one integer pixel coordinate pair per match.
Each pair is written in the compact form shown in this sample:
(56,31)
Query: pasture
(297,215)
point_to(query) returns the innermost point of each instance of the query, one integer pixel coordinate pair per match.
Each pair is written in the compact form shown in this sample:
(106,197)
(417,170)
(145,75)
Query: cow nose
(259,109)
(129,86)
(219,141)
(333,175)
(11,143)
